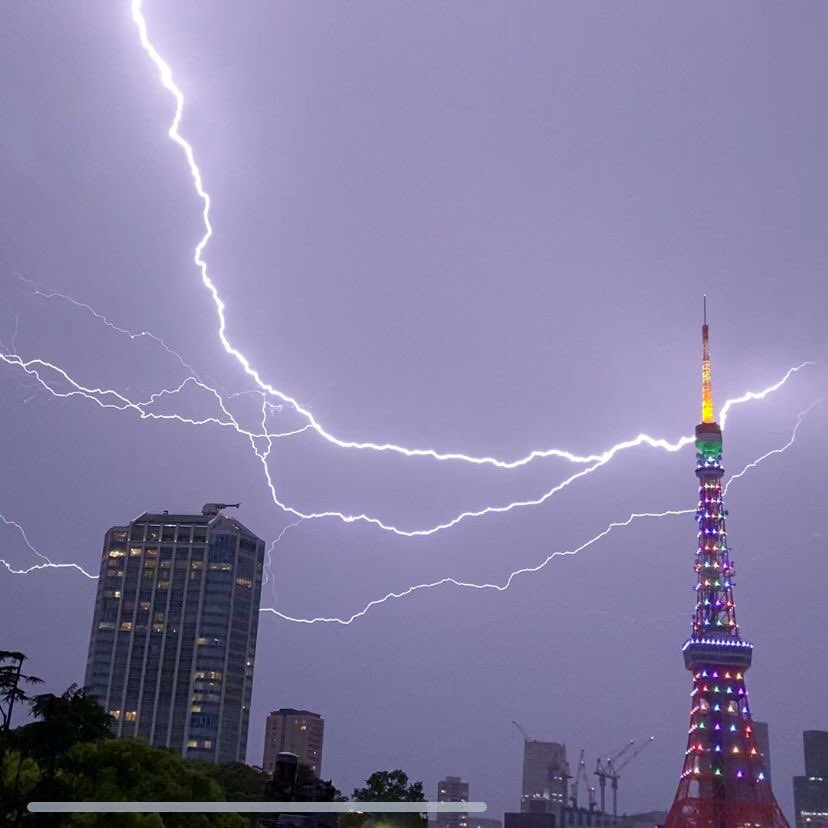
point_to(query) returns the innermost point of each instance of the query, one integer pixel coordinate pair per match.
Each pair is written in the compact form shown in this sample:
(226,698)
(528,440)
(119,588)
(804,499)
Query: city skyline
(498,249)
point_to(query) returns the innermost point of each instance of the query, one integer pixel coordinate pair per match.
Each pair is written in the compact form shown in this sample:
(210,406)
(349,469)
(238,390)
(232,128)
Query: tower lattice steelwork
(722,784)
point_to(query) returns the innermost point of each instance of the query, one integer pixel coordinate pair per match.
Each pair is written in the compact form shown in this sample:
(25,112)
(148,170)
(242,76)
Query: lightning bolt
(118,401)
(800,417)
(174,132)
(268,563)
(395,596)
(112,399)
(48,563)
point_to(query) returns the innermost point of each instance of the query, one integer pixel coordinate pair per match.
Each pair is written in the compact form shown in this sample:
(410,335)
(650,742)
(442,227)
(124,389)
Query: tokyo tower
(721,783)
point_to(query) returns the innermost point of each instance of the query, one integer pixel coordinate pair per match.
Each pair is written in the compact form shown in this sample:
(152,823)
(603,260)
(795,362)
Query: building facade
(545,774)
(294,731)
(452,789)
(174,629)
(811,790)
(763,743)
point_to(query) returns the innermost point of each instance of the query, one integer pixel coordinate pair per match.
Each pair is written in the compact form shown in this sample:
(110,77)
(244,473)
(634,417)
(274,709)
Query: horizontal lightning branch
(112,399)
(393,596)
(48,563)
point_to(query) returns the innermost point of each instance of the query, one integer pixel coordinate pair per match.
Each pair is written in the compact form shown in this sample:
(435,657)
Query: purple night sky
(475,227)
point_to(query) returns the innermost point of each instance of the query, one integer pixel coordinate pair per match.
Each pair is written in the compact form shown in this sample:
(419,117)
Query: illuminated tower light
(728,798)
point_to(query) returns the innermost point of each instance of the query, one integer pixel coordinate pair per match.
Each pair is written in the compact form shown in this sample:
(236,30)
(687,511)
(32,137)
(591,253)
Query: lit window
(223,567)
(126,625)
(135,551)
(106,625)
(192,743)
(195,708)
(131,715)
(197,564)
(116,553)
(116,714)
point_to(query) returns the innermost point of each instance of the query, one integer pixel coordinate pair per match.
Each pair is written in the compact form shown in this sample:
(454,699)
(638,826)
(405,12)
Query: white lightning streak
(167,81)
(787,445)
(40,290)
(393,596)
(469,585)
(48,563)
(120,402)
(268,562)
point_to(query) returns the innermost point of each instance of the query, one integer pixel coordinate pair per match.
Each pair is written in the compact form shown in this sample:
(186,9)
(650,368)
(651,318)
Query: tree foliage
(387,786)
(11,679)
(68,753)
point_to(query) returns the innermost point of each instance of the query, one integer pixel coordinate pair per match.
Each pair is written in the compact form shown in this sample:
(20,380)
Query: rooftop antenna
(707,391)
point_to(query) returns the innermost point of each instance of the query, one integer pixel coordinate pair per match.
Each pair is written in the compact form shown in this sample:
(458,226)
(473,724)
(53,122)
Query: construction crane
(581,774)
(614,773)
(603,771)
(523,732)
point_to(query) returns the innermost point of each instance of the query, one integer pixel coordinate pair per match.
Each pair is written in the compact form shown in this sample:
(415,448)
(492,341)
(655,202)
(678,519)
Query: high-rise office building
(452,789)
(811,790)
(294,731)
(174,631)
(545,774)
(815,743)
(762,733)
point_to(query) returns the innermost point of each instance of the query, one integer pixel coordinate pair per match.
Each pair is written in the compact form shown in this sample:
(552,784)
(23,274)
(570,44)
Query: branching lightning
(58,382)
(167,81)
(393,596)
(48,563)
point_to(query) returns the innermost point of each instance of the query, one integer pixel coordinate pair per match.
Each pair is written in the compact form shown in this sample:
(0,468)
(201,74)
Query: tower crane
(581,774)
(603,771)
(614,773)
(523,732)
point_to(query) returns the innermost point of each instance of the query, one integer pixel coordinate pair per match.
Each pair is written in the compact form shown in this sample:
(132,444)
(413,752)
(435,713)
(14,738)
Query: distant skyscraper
(811,790)
(763,743)
(294,731)
(815,743)
(545,773)
(452,789)
(174,631)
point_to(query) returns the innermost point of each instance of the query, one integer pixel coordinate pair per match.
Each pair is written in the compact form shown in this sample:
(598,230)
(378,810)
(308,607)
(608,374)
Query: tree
(240,782)
(11,676)
(387,786)
(64,721)
(132,770)
(13,774)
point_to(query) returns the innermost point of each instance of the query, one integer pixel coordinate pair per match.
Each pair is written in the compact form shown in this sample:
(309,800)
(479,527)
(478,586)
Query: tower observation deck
(721,784)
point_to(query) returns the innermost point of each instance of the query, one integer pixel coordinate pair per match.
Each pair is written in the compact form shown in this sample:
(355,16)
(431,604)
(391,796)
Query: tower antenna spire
(707,391)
